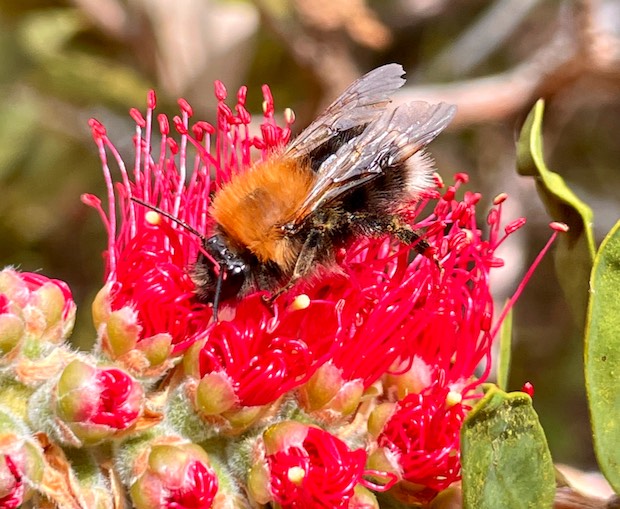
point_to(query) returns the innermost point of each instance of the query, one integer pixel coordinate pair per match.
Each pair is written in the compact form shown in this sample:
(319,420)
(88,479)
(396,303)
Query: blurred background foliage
(62,62)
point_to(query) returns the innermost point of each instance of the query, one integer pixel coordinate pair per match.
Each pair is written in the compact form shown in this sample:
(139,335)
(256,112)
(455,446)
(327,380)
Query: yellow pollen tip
(152,217)
(264,105)
(500,198)
(300,302)
(296,475)
(289,115)
(453,398)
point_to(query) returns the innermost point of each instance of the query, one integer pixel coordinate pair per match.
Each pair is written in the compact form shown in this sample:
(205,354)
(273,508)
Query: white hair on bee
(420,170)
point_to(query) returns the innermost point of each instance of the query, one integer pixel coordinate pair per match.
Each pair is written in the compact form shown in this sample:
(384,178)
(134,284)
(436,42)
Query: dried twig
(577,51)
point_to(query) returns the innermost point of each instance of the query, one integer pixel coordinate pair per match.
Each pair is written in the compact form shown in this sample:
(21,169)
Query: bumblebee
(344,176)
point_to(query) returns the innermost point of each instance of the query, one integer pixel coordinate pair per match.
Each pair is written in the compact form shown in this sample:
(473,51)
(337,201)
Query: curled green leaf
(574,252)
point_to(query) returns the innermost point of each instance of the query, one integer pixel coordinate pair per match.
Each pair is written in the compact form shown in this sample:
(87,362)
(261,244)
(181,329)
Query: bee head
(211,287)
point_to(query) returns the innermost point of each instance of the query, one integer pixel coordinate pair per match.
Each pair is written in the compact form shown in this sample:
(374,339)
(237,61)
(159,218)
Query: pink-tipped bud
(96,403)
(43,305)
(21,463)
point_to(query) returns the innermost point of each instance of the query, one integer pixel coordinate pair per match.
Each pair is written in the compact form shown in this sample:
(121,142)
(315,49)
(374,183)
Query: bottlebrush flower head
(391,327)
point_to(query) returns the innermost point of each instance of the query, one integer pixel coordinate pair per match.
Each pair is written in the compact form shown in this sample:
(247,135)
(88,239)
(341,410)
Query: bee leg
(408,235)
(375,225)
(304,263)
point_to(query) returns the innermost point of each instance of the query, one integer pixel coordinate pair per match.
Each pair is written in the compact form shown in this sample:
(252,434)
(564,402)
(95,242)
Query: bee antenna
(218,291)
(178,221)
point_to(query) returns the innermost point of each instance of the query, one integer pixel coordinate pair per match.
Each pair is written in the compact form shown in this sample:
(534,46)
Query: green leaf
(505,344)
(574,253)
(505,458)
(602,356)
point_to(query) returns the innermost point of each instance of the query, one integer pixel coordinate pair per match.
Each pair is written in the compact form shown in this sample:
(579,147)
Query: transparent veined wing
(388,141)
(364,100)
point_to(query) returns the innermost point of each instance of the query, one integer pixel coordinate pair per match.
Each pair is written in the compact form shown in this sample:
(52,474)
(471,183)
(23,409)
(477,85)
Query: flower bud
(306,466)
(33,308)
(121,337)
(413,380)
(21,463)
(95,403)
(12,328)
(215,394)
(102,306)
(174,475)
(329,394)
(121,332)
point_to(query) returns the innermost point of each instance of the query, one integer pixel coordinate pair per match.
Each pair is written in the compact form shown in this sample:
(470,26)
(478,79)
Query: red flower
(418,317)
(21,463)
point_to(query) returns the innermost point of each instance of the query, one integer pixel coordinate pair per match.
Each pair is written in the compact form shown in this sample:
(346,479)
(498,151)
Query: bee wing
(387,142)
(357,105)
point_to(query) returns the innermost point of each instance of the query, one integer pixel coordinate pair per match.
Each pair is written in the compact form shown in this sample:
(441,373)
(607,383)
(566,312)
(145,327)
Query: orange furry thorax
(251,208)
